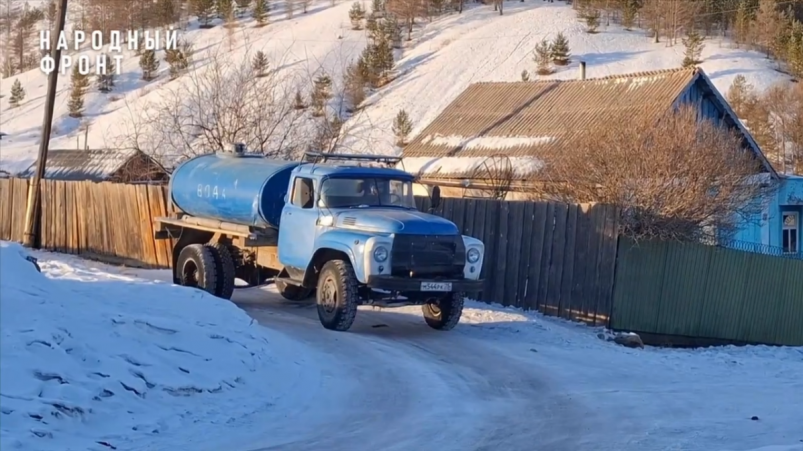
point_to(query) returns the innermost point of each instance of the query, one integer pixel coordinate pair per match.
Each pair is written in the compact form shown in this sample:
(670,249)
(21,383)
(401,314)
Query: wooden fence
(107,221)
(557,258)
(553,257)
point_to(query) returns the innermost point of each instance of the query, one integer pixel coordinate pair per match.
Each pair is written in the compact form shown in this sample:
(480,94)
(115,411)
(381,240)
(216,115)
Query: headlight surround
(473,255)
(381,254)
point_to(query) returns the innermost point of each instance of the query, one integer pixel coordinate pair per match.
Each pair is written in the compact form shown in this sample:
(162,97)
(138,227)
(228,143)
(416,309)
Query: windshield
(367,192)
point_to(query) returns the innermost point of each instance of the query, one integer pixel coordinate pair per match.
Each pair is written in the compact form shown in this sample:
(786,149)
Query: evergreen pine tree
(767,21)
(694,48)
(795,50)
(364,66)
(178,59)
(78,79)
(260,12)
(780,39)
(373,29)
(321,93)
(742,22)
(392,31)
(741,96)
(225,9)
(543,57)
(382,61)
(205,10)
(560,50)
(242,7)
(354,87)
(17,94)
(525,75)
(356,15)
(106,80)
(75,105)
(260,64)
(298,101)
(377,8)
(402,127)
(592,21)
(149,65)
(629,12)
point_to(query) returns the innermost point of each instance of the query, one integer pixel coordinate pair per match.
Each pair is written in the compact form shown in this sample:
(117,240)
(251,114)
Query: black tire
(446,313)
(196,267)
(292,292)
(337,295)
(224,266)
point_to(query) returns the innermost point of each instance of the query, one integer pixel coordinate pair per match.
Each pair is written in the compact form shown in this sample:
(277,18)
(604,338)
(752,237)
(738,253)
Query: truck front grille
(428,256)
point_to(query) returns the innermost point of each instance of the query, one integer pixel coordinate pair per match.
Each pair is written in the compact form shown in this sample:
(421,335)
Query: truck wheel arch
(319,259)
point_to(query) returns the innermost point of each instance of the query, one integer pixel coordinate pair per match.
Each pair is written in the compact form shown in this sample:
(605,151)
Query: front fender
(348,242)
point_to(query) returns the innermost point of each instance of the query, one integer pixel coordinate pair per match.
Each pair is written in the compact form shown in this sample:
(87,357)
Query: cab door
(298,225)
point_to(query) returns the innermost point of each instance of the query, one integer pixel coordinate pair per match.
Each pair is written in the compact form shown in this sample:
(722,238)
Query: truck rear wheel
(337,295)
(446,313)
(196,267)
(224,267)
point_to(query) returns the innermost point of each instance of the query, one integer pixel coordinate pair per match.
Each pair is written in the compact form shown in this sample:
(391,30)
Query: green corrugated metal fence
(693,290)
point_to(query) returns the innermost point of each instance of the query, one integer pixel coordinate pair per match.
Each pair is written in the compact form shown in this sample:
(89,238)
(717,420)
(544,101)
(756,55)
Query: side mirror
(435,198)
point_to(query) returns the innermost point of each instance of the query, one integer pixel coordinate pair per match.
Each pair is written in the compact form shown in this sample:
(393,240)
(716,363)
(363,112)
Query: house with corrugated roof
(489,142)
(101,165)
(494,125)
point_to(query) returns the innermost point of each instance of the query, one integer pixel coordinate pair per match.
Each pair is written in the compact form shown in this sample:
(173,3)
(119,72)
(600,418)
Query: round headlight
(473,255)
(380,254)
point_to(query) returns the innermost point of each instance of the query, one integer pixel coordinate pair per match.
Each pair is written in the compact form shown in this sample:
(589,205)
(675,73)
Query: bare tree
(673,176)
(220,103)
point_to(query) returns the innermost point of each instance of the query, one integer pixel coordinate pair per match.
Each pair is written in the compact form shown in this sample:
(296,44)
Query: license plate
(436,286)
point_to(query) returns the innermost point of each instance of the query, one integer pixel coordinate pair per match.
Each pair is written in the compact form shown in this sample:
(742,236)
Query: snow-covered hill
(444,57)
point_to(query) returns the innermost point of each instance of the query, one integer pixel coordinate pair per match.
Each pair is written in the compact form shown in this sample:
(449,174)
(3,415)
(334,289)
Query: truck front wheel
(196,267)
(445,313)
(337,295)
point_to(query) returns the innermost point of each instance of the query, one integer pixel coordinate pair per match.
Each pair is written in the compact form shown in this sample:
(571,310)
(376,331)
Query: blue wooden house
(778,228)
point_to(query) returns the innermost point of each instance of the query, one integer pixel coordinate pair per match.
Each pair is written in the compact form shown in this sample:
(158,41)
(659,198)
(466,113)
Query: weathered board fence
(553,257)
(107,221)
(693,294)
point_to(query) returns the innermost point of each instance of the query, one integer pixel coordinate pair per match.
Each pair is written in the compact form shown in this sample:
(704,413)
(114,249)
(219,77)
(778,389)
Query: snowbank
(93,359)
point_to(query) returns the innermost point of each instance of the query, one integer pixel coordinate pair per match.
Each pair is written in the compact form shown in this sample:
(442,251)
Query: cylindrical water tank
(241,189)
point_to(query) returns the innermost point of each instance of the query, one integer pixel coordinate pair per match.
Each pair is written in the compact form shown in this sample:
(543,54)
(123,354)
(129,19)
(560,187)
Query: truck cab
(350,234)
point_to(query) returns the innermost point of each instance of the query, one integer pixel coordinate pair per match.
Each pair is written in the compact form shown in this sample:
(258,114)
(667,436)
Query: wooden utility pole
(33,215)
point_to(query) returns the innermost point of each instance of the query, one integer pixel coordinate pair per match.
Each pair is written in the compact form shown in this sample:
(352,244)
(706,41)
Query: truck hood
(394,220)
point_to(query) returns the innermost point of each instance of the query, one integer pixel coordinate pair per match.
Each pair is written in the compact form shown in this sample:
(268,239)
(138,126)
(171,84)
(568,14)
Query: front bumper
(404,284)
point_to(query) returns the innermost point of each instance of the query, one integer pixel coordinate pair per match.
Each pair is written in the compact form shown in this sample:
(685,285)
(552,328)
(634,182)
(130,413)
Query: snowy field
(93,353)
(443,58)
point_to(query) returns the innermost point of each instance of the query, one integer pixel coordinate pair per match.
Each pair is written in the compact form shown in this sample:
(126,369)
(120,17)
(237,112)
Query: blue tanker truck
(349,233)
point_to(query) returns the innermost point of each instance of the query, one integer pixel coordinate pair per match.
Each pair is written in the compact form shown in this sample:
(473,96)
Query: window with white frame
(790,232)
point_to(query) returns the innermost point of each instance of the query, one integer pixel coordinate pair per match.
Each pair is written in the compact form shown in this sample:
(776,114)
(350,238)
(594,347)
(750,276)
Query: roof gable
(701,79)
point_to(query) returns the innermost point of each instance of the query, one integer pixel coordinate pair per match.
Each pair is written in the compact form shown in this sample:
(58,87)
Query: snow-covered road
(502,380)
(423,389)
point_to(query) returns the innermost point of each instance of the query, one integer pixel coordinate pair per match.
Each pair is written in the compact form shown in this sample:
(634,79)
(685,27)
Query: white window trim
(796,227)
